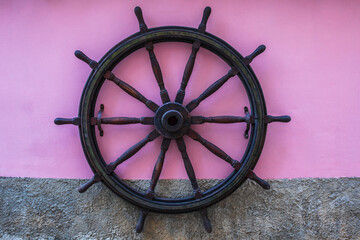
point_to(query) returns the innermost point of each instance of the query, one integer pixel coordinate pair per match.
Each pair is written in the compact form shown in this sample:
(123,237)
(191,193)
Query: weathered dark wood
(80,55)
(157,72)
(140,18)
(96,178)
(62,121)
(111,120)
(264,184)
(125,120)
(250,58)
(154,62)
(191,61)
(188,167)
(172,120)
(214,149)
(150,120)
(206,14)
(140,224)
(116,56)
(187,72)
(158,167)
(98,120)
(270,119)
(217,119)
(211,89)
(247,113)
(206,220)
(132,150)
(131,91)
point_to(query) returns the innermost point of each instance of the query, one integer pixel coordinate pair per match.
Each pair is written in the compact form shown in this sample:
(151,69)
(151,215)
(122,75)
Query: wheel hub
(172,120)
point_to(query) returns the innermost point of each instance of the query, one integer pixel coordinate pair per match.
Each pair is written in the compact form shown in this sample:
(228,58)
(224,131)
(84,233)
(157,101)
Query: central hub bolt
(172,120)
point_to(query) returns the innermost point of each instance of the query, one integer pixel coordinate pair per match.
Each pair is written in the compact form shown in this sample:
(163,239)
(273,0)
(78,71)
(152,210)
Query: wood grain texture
(131,91)
(132,150)
(158,168)
(188,167)
(211,89)
(214,149)
(217,119)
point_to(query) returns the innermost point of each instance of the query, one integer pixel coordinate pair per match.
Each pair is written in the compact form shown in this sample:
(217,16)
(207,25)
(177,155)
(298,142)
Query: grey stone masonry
(292,209)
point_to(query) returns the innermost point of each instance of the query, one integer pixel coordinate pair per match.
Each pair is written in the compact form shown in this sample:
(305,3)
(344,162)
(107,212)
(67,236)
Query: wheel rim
(177,34)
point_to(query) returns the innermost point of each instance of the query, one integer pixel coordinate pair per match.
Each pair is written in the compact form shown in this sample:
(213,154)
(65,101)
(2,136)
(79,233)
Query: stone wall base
(293,209)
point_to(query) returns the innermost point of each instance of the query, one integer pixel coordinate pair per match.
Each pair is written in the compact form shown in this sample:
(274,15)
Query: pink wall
(310,70)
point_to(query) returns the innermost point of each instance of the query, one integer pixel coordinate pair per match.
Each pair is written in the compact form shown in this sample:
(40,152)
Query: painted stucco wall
(309,71)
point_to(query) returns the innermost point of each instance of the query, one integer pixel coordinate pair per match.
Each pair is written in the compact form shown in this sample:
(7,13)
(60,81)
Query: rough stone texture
(292,209)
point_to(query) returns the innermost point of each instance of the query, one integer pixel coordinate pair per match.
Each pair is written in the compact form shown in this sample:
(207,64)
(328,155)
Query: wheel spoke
(214,149)
(187,72)
(132,150)
(80,55)
(96,178)
(206,220)
(124,120)
(131,91)
(191,61)
(218,119)
(211,89)
(154,62)
(248,59)
(157,168)
(157,72)
(188,167)
(264,184)
(140,224)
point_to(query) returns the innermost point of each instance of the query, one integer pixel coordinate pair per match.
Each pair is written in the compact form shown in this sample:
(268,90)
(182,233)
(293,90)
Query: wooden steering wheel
(172,120)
